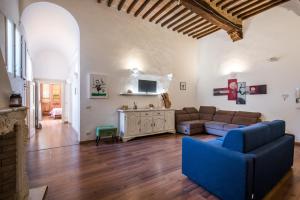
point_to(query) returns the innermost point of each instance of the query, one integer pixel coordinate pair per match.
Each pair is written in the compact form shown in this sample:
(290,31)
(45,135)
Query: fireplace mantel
(12,121)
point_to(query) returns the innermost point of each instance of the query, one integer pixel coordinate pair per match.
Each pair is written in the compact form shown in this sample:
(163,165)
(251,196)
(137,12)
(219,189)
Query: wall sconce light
(274,59)
(170,76)
(285,96)
(135,72)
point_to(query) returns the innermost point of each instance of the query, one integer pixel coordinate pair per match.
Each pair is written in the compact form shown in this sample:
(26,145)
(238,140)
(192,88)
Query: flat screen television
(147,86)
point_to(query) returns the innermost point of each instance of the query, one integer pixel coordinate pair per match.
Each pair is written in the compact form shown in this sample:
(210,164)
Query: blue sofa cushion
(248,138)
(277,128)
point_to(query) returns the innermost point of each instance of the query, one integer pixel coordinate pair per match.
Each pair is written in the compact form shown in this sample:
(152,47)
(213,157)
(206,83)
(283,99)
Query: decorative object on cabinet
(124,107)
(98,86)
(142,122)
(182,85)
(134,106)
(151,106)
(166,100)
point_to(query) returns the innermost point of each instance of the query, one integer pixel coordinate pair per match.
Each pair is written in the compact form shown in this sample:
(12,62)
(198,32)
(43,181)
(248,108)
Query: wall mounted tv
(147,86)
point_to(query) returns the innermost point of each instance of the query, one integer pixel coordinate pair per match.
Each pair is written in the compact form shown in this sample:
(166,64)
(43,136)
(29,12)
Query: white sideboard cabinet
(142,122)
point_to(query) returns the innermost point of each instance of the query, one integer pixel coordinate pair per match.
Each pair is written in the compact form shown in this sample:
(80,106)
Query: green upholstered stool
(102,131)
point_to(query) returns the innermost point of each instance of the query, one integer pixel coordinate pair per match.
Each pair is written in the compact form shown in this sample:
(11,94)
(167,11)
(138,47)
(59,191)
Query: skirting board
(38,193)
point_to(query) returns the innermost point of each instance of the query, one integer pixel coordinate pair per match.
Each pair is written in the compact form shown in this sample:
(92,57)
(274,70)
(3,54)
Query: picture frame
(182,86)
(98,87)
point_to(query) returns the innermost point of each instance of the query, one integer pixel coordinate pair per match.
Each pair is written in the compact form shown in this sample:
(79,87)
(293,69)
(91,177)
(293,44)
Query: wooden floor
(53,134)
(146,168)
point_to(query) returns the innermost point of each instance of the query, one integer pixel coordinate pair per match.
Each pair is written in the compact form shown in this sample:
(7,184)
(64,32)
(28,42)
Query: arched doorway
(53,42)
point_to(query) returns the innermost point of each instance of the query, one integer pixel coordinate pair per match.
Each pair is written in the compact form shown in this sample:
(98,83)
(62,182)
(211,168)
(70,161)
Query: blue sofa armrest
(225,173)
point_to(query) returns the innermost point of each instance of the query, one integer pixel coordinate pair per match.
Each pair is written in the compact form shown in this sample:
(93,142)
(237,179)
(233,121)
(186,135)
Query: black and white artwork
(241,93)
(182,85)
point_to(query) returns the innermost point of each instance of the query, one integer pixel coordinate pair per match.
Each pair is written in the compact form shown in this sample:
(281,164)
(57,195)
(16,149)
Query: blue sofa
(245,164)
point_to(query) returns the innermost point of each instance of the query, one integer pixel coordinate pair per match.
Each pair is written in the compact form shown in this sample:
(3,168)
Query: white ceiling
(52,29)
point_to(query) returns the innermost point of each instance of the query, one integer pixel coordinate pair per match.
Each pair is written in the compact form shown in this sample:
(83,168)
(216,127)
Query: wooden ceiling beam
(262,8)
(204,28)
(207,32)
(152,8)
(133,3)
(180,19)
(238,6)
(227,4)
(120,5)
(190,25)
(196,27)
(185,22)
(249,6)
(109,2)
(174,17)
(165,7)
(224,21)
(168,13)
(141,8)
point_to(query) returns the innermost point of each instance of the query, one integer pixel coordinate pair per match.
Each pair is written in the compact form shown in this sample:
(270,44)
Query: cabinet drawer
(146,114)
(158,113)
(133,114)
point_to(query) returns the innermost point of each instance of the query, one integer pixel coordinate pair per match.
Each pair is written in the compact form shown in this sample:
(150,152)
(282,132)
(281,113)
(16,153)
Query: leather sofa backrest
(246,118)
(224,116)
(181,116)
(207,112)
(193,112)
(252,137)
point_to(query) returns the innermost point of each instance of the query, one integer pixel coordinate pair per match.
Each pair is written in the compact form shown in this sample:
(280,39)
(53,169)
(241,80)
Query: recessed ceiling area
(196,18)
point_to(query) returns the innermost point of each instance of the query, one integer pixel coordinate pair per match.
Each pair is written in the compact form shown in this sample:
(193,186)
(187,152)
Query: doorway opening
(54,52)
(51,101)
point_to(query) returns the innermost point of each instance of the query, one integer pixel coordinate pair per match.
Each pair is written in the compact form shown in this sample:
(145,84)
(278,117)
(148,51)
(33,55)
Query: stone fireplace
(13,138)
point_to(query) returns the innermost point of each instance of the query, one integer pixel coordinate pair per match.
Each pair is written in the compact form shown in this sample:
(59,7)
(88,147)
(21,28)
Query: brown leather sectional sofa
(208,119)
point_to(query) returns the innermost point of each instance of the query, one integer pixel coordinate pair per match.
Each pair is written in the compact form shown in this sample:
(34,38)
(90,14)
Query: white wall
(9,9)
(274,33)
(110,41)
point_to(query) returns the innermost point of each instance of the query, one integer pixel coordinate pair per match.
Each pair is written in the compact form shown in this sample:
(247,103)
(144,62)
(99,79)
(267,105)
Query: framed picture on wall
(98,86)
(182,85)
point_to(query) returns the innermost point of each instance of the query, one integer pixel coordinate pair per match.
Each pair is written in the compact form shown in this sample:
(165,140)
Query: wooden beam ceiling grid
(195,18)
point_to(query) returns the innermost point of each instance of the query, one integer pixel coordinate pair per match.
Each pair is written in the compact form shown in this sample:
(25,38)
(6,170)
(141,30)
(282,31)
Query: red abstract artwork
(232,89)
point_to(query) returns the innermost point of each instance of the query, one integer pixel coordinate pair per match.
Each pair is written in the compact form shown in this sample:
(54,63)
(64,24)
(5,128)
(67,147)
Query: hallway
(53,134)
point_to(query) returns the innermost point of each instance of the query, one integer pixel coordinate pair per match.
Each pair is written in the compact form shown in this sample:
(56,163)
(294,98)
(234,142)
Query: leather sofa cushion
(224,116)
(246,118)
(190,110)
(182,117)
(248,138)
(215,125)
(194,116)
(248,114)
(207,112)
(228,127)
(193,124)
(178,112)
